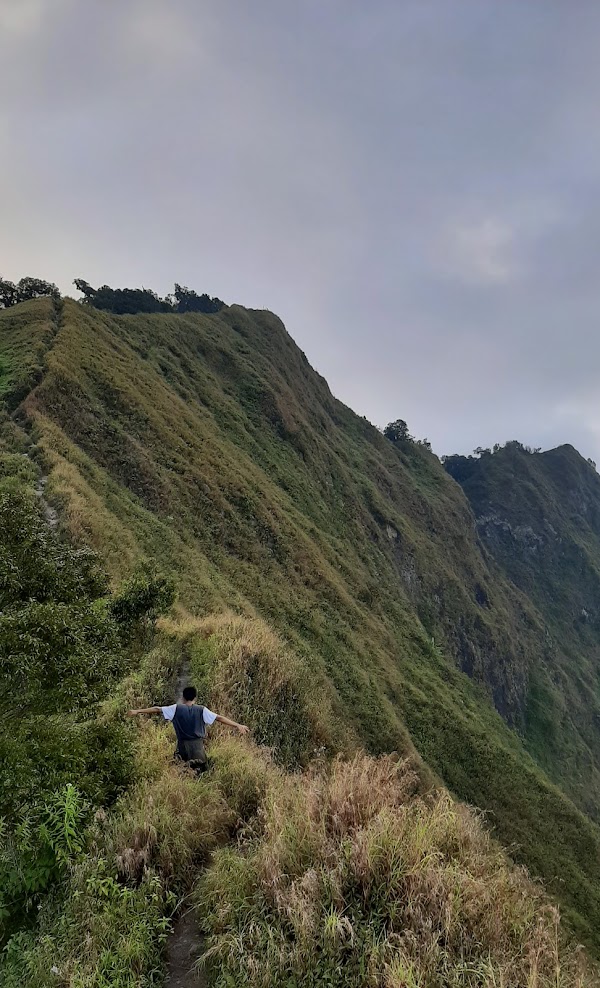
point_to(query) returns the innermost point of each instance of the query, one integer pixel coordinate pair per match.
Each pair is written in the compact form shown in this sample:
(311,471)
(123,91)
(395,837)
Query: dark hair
(190,693)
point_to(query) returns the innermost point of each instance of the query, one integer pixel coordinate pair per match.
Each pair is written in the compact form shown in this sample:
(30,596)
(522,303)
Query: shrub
(140,601)
(36,854)
(106,926)
(245,774)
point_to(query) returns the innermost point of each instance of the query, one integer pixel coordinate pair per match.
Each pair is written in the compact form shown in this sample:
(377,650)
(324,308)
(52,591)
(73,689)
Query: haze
(412,186)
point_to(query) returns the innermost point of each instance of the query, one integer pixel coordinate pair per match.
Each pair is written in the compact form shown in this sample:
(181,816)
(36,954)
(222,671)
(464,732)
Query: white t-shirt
(207,715)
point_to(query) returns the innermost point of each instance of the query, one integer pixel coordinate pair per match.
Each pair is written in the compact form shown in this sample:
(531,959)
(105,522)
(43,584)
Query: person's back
(190,720)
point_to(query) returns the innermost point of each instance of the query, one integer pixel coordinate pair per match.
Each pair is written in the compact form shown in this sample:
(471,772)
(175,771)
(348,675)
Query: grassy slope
(539,514)
(210,446)
(27,333)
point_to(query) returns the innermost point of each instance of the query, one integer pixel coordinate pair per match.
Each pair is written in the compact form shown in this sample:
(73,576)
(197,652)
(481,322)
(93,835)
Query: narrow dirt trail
(50,513)
(183,679)
(185,943)
(183,949)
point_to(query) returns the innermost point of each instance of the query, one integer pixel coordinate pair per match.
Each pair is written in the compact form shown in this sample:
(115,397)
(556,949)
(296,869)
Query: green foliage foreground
(64,644)
(356,872)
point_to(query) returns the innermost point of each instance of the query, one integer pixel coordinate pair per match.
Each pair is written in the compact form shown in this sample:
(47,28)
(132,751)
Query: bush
(36,854)
(140,601)
(34,564)
(41,753)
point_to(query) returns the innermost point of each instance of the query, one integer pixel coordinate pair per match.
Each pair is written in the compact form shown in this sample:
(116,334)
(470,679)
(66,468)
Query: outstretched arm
(144,710)
(231,723)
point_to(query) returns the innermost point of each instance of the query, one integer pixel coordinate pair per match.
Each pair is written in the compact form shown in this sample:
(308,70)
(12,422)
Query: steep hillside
(208,446)
(539,516)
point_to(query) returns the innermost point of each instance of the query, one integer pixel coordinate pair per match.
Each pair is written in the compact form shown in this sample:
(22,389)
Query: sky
(412,185)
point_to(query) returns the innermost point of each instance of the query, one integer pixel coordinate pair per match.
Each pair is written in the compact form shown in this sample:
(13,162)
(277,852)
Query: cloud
(21,18)
(579,413)
(152,28)
(412,187)
(481,252)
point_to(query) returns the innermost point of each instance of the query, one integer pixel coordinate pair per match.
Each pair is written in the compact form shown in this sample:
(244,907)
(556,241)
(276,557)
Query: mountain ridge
(208,445)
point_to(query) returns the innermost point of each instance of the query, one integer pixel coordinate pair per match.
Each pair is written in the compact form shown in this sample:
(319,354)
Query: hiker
(190,720)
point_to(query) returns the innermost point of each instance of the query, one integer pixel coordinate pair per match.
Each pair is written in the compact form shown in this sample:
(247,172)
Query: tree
(397,432)
(458,466)
(187,300)
(121,301)
(25,290)
(591,462)
(85,288)
(29,288)
(8,294)
(129,301)
(481,450)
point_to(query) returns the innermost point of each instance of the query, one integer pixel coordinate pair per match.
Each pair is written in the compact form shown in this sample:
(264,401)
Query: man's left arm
(232,723)
(209,718)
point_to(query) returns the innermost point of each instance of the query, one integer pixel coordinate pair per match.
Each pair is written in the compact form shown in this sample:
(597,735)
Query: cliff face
(207,445)
(538,514)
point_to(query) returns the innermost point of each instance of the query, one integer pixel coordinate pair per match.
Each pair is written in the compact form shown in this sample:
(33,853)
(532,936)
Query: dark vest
(189,722)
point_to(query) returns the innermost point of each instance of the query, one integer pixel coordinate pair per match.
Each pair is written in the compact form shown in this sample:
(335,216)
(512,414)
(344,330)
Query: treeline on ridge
(128,301)
(120,301)
(460,467)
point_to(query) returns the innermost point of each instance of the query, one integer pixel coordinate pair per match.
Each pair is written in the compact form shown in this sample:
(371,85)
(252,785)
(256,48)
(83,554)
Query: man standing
(190,720)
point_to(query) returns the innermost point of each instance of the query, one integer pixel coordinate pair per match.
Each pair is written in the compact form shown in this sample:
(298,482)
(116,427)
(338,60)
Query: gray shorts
(192,752)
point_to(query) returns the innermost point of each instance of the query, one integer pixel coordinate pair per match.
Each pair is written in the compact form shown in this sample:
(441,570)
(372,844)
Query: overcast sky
(412,185)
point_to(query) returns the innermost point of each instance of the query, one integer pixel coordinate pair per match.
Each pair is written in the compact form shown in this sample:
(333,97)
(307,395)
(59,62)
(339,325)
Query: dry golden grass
(355,881)
(171,821)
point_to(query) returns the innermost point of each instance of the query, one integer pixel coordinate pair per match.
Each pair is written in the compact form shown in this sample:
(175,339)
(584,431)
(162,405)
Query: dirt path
(184,945)
(183,679)
(183,949)
(50,513)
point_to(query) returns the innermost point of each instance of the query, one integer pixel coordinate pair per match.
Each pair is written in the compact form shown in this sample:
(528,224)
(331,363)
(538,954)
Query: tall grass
(352,880)
(249,673)
(343,875)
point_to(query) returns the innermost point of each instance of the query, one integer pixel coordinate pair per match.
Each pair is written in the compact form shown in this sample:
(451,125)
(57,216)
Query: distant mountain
(538,514)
